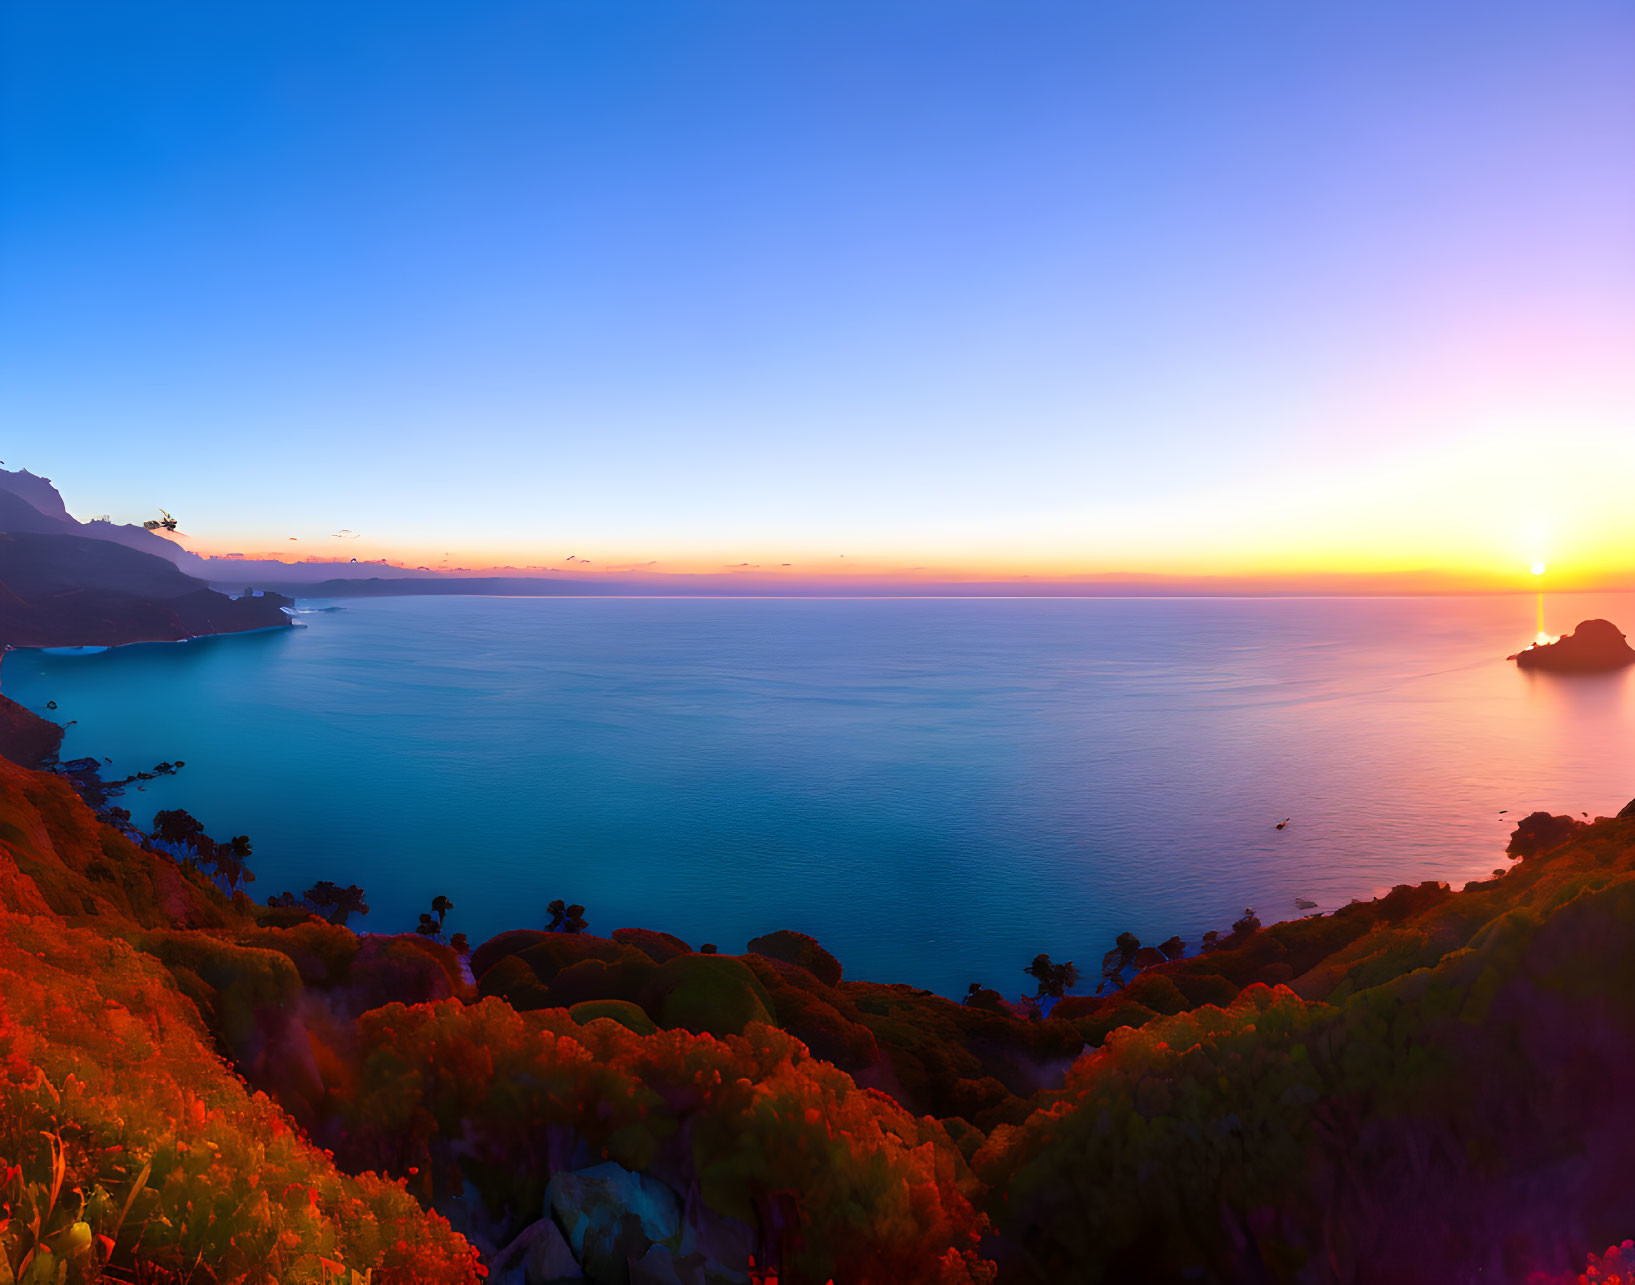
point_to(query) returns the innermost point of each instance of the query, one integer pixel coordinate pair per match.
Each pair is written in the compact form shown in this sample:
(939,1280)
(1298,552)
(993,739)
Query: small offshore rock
(1596,645)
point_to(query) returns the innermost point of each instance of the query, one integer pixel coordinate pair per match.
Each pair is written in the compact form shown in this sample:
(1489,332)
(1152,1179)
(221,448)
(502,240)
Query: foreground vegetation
(193,1087)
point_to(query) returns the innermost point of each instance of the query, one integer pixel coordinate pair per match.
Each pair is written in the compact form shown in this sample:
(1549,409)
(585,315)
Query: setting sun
(883,501)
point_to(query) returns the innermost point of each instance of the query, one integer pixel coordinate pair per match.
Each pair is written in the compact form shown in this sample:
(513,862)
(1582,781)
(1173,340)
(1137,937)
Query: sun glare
(1538,568)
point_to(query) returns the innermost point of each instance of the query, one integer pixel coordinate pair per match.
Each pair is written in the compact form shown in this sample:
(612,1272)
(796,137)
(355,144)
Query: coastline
(1002,1121)
(767,1109)
(122,638)
(97,649)
(366,671)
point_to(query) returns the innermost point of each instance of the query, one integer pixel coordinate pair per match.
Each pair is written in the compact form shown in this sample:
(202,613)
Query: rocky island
(1594,647)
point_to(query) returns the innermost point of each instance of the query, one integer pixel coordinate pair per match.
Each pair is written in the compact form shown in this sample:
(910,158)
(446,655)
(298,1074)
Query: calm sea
(935,789)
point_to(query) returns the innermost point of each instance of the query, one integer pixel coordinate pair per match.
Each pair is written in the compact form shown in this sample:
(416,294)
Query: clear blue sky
(1088,286)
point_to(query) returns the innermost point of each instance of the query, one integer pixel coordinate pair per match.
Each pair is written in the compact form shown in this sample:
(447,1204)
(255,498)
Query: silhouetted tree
(175,827)
(459,944)
(708,948)
(1115,961)
(1054,979)
(440,906)
(427,927)
(1248,924)
(227,860)
(334,903)
(566,918)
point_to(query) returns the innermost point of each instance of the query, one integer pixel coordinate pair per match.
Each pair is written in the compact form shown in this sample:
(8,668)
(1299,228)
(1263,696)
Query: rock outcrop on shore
(25,738)
(1595,646)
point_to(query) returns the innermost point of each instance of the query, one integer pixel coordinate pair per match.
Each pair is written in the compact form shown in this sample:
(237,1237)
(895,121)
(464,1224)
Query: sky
(1167,288)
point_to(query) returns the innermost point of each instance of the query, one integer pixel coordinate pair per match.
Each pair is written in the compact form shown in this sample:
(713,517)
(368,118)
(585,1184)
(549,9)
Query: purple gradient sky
(1178,287)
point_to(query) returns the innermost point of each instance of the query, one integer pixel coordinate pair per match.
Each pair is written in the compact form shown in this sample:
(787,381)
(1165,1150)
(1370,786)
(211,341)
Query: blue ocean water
(936,789)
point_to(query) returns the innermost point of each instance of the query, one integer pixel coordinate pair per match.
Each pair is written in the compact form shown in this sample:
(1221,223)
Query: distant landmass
(500,586)
(64,591)
(65,583)
(32,504)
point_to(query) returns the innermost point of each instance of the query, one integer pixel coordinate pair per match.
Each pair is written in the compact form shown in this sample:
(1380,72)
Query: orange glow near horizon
(1460,515)
(1318,568)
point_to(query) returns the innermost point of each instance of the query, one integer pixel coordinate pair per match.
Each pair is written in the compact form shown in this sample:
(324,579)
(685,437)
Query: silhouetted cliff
(68,591)
(30,503)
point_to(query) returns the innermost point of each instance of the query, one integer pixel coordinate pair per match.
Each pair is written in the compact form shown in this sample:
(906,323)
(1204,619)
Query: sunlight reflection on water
(936,789)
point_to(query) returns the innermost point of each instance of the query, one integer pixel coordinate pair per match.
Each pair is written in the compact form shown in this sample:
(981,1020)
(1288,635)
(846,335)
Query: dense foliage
(500,1099)
(124,1138)
(1427,1086)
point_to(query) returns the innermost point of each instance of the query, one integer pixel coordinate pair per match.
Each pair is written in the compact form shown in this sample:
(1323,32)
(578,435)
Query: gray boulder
(611,1217)
(539,1256)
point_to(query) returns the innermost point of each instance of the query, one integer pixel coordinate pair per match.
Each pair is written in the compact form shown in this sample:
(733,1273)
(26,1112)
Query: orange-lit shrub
(164,1156)
(503,1099)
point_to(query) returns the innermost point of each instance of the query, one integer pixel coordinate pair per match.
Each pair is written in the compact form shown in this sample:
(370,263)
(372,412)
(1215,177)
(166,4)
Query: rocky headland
(25,737)
(68,591)
(66,583)
(1594,647)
